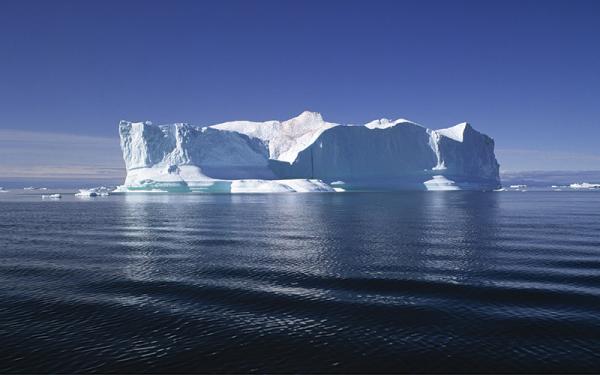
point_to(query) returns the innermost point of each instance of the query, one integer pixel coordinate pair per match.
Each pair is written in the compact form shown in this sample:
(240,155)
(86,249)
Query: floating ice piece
(584,185)
(101,191)
(51,196)
(86,193)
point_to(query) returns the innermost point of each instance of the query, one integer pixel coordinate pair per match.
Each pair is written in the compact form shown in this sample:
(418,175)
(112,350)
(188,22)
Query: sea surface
(350,282)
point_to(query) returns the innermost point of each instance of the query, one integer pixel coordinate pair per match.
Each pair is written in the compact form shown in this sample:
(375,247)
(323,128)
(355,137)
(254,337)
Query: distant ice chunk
(51,196)
(101,191)
(584,185)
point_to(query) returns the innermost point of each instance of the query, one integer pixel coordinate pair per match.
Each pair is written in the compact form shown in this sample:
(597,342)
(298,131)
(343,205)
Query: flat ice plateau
(305,154)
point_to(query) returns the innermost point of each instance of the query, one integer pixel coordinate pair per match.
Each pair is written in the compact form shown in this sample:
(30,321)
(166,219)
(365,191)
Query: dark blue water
(449,281)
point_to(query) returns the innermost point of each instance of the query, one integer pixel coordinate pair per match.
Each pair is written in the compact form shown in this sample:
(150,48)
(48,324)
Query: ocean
(349,282)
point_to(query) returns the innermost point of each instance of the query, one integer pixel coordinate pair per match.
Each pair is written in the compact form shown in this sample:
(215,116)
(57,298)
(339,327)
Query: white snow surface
(385,123)
(305,153)
(284,139)
(455,132)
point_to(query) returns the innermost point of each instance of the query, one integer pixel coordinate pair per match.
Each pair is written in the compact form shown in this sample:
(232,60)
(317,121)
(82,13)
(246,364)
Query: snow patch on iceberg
(385,123)
(284,140)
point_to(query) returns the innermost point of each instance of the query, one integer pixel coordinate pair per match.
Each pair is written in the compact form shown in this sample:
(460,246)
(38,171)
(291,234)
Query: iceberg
(518,187)
(305,154)
(51,196)
(584,185)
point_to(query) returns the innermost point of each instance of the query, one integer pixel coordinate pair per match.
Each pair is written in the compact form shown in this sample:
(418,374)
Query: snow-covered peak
(284,139)
(384,123)
(306,117)
(455,132)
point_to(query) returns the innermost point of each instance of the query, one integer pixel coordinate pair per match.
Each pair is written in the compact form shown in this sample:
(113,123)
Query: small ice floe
(518,187)
(51,196)
(584,185)
(101,191)
(2,190)
(338,186)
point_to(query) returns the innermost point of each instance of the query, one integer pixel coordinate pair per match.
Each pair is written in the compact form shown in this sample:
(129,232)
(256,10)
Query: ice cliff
(306,153)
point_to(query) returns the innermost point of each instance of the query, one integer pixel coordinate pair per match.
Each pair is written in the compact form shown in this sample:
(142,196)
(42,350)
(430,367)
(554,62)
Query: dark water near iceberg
(448,281)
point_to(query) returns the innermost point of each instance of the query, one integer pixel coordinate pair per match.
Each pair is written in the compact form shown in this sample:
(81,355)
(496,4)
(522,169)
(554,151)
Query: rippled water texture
(449,281)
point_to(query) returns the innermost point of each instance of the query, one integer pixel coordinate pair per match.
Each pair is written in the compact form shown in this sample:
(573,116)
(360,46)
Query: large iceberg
(305,154)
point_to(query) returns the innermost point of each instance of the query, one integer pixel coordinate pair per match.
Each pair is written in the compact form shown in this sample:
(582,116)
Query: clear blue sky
(525,72)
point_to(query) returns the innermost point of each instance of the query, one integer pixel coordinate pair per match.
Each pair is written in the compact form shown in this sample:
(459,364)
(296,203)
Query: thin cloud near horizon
(27,154)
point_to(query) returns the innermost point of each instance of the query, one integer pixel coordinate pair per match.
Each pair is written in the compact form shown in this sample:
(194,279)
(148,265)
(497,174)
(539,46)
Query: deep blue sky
(525,72)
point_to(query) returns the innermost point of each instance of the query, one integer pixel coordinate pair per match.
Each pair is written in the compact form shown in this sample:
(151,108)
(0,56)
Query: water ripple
(465,282)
